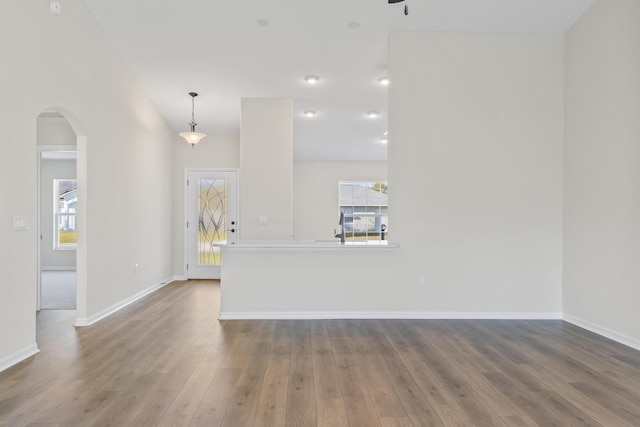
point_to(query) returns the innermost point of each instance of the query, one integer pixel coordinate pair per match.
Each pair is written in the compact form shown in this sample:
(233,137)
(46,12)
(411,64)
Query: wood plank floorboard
(166,360)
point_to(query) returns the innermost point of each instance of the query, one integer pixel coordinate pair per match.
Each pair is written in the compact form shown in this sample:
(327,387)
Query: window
(65,200)
(365,209)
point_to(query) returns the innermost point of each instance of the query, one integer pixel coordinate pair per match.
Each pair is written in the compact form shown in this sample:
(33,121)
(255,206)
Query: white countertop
(310,245)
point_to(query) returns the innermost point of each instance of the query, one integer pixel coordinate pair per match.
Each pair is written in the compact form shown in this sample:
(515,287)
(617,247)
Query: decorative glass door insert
(212,201)
(211,220)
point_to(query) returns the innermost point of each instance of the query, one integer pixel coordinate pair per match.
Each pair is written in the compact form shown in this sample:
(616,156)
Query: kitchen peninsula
(304,279)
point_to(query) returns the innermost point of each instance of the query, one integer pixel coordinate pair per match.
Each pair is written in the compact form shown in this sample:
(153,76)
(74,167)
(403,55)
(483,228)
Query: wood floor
(166,360)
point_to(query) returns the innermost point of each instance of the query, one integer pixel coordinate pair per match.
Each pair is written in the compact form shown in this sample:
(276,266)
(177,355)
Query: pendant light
(193,137)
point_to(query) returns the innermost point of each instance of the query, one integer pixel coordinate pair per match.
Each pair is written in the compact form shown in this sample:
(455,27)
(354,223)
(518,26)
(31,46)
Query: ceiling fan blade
(395,1)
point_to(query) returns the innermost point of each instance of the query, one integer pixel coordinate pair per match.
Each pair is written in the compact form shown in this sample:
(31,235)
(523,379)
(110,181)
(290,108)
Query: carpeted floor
(58,290)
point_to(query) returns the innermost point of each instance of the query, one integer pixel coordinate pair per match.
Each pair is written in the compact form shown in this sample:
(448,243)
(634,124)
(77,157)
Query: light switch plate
(262,219)
(20,223)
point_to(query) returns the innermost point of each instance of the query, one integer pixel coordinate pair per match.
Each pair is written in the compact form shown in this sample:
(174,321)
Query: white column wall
(266,169)
(475,171)
(602,171)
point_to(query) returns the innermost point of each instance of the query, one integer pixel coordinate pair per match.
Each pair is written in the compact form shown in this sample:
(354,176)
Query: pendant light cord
(193,104)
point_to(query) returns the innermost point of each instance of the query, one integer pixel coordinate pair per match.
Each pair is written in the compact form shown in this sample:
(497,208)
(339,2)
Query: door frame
(41,149)
(185,188)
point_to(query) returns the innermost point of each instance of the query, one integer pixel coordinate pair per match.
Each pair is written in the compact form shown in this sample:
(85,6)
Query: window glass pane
(364,205)
(67,195)
(65,192)
(67,232)
(211,220)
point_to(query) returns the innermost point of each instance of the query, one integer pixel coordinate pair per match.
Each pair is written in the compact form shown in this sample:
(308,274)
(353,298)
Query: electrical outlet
(420,280)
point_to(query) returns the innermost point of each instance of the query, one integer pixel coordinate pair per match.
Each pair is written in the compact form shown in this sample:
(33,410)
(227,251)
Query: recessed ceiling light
(386,132)
(56,8)
(384,81)
(310,113)
(311,79)
(353,25)
(262,22)
(373,114)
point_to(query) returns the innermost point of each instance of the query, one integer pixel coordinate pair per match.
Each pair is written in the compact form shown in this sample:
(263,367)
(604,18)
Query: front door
(211,220)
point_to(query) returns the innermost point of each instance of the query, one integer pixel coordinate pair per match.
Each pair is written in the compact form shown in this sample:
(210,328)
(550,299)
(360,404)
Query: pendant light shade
(193,137)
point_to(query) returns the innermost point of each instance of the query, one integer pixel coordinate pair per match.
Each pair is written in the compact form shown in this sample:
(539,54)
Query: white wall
(475,170)
(602,170)
(213,152)
(125,168)
(315,194)
(266,168)
(51,259)
(52,129)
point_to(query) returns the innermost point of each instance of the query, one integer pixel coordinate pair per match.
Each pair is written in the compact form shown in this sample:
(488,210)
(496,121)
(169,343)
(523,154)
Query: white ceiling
(219,49)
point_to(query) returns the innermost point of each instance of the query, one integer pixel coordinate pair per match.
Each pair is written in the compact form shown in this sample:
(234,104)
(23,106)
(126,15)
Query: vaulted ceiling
(226,50)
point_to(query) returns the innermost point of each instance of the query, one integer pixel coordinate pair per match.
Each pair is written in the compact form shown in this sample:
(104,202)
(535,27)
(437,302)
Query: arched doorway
(61,144)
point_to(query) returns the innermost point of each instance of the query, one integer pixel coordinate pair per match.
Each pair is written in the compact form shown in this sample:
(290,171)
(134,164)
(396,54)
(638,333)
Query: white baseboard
(18,356)
(605,332)
(284,315)
(58,268)
(87,321)
(180,278)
